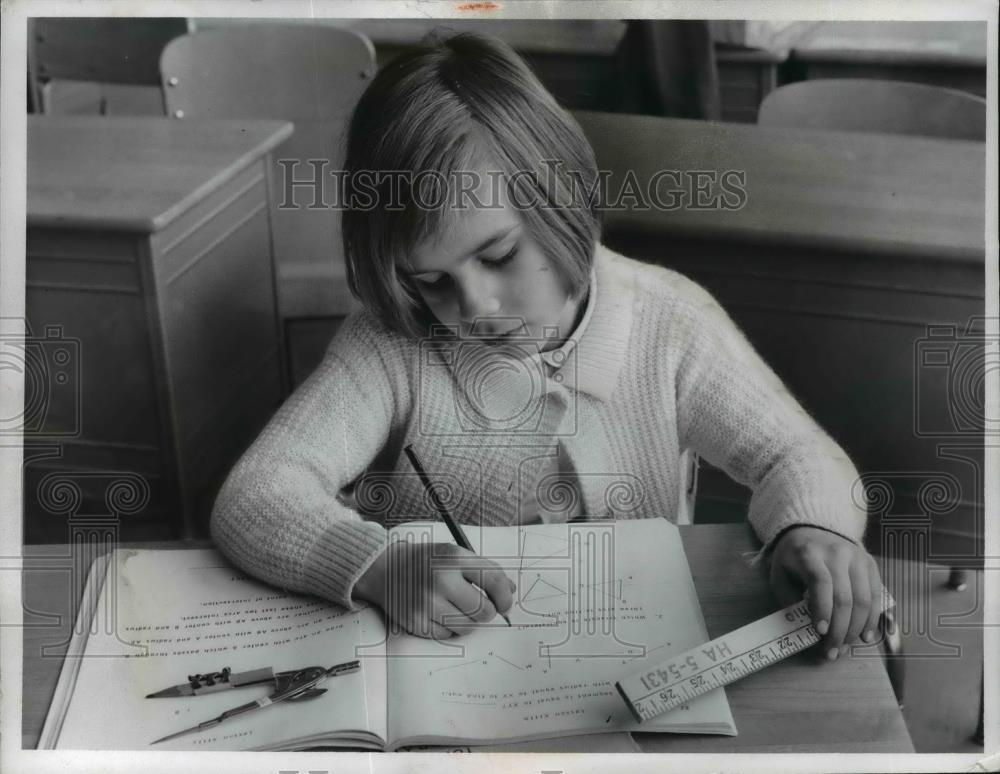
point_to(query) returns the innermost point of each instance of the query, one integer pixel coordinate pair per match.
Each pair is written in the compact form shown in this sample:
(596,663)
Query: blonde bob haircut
(451,105)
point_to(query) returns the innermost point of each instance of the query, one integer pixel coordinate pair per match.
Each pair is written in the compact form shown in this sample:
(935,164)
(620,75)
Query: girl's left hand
(840,579)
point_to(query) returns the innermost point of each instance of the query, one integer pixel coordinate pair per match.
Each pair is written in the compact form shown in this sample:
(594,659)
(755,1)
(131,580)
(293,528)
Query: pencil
(453,527)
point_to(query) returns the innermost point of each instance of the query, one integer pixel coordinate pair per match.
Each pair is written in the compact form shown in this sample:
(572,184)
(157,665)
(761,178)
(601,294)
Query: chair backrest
(311,75)
(110,50)
(101,50)
(66,97)
(689,487)
(871,105)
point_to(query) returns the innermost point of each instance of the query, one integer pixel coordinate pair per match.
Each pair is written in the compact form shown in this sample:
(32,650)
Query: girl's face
(486,275)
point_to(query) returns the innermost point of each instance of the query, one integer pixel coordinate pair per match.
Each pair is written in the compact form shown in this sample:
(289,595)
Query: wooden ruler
(678,680)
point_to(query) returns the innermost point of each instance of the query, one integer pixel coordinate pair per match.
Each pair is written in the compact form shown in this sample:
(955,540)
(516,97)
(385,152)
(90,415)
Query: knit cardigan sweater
(660,368)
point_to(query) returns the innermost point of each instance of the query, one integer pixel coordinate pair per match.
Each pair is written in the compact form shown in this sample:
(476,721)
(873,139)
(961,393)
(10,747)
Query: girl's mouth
(487,337)
(506,336)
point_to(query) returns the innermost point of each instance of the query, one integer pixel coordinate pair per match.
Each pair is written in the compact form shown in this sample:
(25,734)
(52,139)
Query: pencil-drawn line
(477,661)
(529,597)
(452,666)
(653,650)
(535,560)
(647,651)
(526,532)
(547,596)
(610,594)
(561,553)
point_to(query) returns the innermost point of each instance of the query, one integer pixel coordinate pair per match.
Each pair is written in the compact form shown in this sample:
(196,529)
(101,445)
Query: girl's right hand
(433,589)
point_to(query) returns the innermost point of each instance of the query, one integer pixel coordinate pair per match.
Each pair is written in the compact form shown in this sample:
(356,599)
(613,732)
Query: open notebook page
(594,601)
(164,615)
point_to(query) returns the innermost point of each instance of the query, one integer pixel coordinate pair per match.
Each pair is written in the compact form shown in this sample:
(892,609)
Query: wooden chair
(63,97)
(98,65)
(689,487)
(311,75)
(869,105)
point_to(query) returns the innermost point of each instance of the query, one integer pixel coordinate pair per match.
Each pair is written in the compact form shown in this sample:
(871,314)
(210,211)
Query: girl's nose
(477,298)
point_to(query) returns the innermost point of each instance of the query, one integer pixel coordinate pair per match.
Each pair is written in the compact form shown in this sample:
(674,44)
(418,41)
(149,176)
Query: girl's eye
(432,283)
(507,258)
(439,281)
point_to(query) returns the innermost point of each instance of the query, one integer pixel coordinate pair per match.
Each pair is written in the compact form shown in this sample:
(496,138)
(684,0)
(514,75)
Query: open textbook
(595,601)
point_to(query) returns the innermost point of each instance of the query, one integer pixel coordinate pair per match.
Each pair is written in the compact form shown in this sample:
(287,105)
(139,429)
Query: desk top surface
(798,705)
(867,193)
(134,173)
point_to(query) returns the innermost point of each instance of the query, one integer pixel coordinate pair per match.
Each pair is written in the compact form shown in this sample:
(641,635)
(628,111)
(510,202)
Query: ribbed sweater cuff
(770,529)
(778,505)
(340,557)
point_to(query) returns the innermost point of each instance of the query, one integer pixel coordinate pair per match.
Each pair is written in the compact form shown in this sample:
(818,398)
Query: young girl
(538,375)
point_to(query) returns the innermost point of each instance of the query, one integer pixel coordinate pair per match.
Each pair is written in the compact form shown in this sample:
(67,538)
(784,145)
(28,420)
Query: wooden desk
(941,53)
(149,261)
(950,70)
(847,248)
(746,76)
(795,706)
(879,195)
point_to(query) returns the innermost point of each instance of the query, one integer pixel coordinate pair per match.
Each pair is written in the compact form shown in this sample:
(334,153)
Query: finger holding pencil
(474,575)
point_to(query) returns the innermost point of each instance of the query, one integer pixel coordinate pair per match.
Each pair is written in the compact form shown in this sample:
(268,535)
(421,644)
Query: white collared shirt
(556,358)
(532,509)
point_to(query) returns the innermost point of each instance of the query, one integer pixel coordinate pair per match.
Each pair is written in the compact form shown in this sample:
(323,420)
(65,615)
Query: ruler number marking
(697,683)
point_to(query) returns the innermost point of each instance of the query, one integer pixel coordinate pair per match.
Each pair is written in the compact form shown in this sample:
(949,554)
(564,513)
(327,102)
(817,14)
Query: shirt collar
(556,358)
(595,352)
